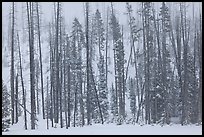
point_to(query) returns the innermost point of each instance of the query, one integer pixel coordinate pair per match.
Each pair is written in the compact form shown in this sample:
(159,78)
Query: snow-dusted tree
(99,41)
(103,93)
(147,46)
(192,108)
(6,120)
(119,63)
(77,43)
(166,68)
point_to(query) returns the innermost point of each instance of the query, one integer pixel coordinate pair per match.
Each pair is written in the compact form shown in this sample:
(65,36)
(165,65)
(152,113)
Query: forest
(98,70)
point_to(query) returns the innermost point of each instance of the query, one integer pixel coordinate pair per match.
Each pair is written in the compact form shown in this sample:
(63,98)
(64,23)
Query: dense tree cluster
(160,79)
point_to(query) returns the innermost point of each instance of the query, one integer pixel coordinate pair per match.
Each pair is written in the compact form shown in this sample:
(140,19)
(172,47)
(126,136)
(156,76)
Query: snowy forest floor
(106,129)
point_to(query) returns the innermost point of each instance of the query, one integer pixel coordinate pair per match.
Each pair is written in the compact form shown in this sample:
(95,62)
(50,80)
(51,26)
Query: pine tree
(77,43)
(99,40)
(166,68)
(6,120)
(103,93)
(119,64)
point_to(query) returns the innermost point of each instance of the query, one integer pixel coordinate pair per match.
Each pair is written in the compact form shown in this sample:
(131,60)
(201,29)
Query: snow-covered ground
(109,129)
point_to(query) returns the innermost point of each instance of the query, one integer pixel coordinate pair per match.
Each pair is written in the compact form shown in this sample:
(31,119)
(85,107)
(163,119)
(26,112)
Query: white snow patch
(110,129)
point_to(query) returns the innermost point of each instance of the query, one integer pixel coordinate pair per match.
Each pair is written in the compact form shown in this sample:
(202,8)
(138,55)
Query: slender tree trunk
(200,74)
(32,70)
(61,75)
(22,83)
(51,79)
(16,98)
(47,106)
(115,68)
(37,92)
(81,98)
(12,67)
(123,82)
(41,70)
(185,88)
(57,68)
(65,86)
(87,63)
(69,96)
(107,51)
(75,105)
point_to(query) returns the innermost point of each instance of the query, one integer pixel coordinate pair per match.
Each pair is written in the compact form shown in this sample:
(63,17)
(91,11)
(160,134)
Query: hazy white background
(76,9)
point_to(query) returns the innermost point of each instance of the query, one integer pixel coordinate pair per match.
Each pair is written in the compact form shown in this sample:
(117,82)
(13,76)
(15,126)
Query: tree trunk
(87,64)
(47,106)
(22,83)
(41,70)
(107,51)
(12,67)
(57,68)
(16,98)
(115,68)
(69,96)
(32,70)
(51,79)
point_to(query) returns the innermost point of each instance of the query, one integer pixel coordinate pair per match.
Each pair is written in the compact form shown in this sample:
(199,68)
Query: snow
(108,129)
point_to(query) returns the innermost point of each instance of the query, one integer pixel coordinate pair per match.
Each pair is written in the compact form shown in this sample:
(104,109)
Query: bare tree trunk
(47,105)
(185,52)
(51,79)
(75,104)
(81,98)
(32,70)
(123,83)
(116,88)
(12,67)
(57,68)
(37,92)
(16,98)
(69,96)
(61,75)
(22,83)
(200,74)
(107,51)
(41,70)
(87,63)
(65,85)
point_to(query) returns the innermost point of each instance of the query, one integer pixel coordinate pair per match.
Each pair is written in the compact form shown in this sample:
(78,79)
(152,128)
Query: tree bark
(16,98)
(12,67)
(32,70)
(22,83)
(41,70)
